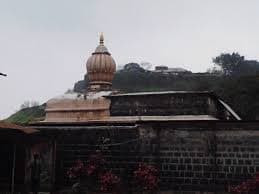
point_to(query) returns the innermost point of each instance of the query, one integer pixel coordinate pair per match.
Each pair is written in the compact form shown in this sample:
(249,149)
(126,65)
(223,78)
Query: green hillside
(27,115)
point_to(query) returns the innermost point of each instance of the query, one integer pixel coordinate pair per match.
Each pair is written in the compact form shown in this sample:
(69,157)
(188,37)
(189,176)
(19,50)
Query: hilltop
(237,84)
(27,115)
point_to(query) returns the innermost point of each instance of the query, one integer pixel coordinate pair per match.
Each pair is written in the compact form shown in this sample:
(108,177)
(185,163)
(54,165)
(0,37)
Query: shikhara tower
(100,68)
(77,107)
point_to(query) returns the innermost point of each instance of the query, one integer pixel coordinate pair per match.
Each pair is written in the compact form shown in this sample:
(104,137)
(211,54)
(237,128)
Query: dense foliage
(95,175)
(92,175)
(146,177)
(27,115)
(250,186)
(236,65)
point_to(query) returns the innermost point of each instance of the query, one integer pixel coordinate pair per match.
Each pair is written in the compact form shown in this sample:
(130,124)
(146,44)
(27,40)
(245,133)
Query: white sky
(44,44)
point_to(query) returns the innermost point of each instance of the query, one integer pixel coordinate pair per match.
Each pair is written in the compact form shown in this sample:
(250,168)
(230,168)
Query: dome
(100,68)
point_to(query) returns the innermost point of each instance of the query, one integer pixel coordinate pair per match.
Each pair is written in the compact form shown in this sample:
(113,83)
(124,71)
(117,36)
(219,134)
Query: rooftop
(18,128)
(162,93)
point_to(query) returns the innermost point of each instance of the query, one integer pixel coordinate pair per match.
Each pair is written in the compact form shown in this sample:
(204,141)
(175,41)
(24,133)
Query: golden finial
(101,39)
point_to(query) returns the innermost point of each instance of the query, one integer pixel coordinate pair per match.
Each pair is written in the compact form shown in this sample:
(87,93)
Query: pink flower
(146,176)
(108,181)
(90,169)
(248,186)
(77,170)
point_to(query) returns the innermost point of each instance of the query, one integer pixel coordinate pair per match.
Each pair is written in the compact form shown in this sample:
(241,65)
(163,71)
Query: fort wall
(202,156)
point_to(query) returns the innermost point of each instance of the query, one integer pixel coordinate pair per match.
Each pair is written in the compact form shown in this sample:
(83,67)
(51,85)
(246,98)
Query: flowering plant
(109,181)
(146,176)
(92,175)
(95,164)
(250,186)
(76,171)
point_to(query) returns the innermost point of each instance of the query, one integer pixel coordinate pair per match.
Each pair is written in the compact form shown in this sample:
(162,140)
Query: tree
(133,67)
(229,63)
(236,65)
(146,65)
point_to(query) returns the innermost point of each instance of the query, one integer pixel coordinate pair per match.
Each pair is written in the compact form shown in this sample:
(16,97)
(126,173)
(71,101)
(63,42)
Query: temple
(101,103)
(197,142)
(77,107)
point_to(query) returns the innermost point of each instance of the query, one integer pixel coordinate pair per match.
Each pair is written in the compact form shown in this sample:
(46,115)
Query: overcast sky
(44,44)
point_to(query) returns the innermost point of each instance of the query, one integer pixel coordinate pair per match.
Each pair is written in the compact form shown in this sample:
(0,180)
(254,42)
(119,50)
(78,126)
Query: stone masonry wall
(189,157)
(206,160)
(165,104)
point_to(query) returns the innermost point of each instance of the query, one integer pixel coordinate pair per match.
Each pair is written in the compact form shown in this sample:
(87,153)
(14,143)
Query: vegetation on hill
(27,115)
(236,81)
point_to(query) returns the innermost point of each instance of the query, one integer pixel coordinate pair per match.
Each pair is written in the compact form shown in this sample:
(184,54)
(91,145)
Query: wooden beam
(13,169)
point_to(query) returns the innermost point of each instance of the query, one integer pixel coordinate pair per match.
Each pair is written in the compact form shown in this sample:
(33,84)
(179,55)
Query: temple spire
(101,68)
(101,39)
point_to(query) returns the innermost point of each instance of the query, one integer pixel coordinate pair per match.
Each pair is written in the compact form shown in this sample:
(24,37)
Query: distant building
(161,68)
(172,70)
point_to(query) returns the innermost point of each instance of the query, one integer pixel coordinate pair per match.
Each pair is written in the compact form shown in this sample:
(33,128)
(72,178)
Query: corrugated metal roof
(163,118)
(133,119)
(11,126)
(159,93)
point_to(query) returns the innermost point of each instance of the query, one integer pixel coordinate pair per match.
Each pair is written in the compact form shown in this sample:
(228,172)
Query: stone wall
(205,160)
(191,156)
(168,103)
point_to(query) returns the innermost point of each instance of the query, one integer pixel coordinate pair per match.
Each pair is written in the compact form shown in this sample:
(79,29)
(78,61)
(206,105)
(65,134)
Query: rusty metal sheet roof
(11,126)
(163,118)
(159,93)
(132,119)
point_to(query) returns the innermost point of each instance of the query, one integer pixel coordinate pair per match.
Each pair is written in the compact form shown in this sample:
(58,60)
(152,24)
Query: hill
(27,115)
(240,91)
